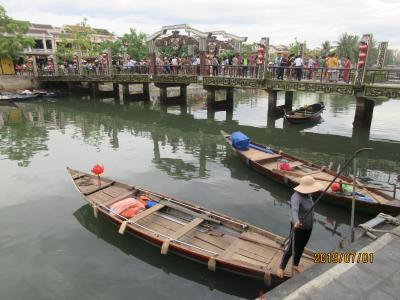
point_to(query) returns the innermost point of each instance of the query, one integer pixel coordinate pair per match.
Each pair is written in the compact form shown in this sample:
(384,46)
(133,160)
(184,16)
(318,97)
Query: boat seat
(179,233)
(295,164)
(272,157)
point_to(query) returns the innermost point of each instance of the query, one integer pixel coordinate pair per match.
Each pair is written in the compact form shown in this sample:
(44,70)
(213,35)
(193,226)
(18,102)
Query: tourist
(298,64)
(302,221)
(277,65)
(311,66)
(332,64)
(215,64)
(245,63)
(346,70)
(167,66)
(282,66)
(174,63)
(289,65)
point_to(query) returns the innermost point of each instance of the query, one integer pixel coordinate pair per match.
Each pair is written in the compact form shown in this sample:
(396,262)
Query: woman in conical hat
(302,221)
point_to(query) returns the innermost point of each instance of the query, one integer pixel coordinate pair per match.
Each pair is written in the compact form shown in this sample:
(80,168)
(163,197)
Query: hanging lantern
(362,56)
(260,55)
(98,170)
(361,63)
(363,47)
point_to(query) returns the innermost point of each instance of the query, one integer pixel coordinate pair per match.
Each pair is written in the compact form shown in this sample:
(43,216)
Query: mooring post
(183,91)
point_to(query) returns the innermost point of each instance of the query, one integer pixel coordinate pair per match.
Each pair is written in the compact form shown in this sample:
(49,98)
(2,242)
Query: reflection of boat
(232,284)
(17,97)
(191,231)
(305,114)
(288,170)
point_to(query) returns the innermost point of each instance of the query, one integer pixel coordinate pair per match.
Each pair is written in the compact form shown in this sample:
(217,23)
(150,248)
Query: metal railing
(178,69)
(239,71)
(312,74)
(382,76)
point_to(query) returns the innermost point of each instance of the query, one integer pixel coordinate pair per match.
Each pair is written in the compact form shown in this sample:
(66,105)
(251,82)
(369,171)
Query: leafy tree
(348,46)
(294,48)
(169,51)
(135,44)
(12,39)
(326,48)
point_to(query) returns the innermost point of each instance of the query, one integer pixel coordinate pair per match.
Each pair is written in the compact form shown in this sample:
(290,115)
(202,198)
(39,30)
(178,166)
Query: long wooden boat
(267,161)
(302,115)
(191,231)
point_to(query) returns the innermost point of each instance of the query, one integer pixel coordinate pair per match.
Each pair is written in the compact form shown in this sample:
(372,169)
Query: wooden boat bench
(179,233)
(270,158)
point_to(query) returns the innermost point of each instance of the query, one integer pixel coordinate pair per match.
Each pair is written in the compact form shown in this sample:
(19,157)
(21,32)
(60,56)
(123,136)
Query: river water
(51,246)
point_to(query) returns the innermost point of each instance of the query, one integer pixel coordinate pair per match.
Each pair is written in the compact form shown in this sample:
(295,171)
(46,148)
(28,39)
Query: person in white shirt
(298,64)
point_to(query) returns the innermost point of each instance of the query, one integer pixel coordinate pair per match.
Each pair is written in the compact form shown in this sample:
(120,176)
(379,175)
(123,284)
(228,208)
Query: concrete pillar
(163,94)
(69,87)
(272,98)
(35,68)
(146,91)
(229,95)
(229,115)
(183,91)
(152,55)
(125,90)
(202,54)
(183,109)
(288,100)
(364,112)
(210,115)
(210,96)
(116,90)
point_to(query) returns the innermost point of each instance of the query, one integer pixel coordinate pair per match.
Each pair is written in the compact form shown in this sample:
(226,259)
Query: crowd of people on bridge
(326,68)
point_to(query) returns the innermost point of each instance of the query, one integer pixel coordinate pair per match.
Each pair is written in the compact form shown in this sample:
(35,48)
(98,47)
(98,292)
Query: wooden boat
(191,231)
(305,114)
(267,161)
(17,97)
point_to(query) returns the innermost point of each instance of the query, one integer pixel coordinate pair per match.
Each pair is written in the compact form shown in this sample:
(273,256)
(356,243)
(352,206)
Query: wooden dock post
(272,99)
(364,112)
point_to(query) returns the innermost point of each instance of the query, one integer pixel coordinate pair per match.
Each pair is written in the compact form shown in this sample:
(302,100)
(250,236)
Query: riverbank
(16,82)
(375,278)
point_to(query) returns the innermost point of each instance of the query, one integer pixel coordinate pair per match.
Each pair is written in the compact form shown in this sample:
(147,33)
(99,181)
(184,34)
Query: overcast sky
(311,20)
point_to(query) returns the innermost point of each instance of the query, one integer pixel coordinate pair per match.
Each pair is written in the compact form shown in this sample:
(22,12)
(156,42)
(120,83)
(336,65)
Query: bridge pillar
(183,91)
(116,90)
(272,99)
(211,97)
(364,112)
(125,90)
(202,54)
(288,100)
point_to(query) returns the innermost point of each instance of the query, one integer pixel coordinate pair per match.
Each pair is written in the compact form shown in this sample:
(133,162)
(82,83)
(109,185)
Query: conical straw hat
(308,185)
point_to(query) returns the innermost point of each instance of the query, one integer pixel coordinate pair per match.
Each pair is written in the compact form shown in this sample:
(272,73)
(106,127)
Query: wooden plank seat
(179,233)
(294,164)
(271,157)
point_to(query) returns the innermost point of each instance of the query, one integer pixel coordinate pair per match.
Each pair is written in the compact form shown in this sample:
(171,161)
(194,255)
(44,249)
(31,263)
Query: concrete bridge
(366,84)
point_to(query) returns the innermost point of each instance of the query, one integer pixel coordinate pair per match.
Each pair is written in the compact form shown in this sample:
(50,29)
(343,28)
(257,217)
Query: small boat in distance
(191,231)
(304,114)
(287,169)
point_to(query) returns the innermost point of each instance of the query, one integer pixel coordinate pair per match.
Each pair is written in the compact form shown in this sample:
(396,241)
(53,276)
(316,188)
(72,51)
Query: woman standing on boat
(302,221)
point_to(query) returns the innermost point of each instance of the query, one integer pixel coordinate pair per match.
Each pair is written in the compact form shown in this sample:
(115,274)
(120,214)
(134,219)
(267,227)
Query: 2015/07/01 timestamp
(343,257)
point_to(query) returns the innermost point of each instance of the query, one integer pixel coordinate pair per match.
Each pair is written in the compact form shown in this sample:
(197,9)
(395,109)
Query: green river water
(51,246)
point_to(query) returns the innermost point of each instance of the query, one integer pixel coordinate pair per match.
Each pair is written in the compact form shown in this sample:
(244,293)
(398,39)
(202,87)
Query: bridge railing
(178,69)
(239,71)
(125,70)
(340,75)
(382,76)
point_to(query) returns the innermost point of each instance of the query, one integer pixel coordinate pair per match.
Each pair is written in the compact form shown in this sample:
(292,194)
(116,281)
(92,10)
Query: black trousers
(299,73)
(301,237)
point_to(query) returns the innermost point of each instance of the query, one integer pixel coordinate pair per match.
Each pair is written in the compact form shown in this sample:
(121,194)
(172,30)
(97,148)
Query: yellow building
(6,66)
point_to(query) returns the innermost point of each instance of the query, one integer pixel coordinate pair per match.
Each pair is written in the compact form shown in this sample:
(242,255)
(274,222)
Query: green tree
(348,46)
(12,38)
(135,44)
(326,48)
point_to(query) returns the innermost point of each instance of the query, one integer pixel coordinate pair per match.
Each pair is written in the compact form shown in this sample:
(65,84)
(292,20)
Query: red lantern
(361,63)
(362,56)
(363,48)
(335,187)
(98,170)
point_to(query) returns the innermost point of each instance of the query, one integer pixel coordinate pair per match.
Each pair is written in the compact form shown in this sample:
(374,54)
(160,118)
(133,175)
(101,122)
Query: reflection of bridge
(302,142)
(365,84)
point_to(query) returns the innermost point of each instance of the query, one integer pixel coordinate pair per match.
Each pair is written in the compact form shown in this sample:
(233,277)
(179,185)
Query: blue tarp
(240,141)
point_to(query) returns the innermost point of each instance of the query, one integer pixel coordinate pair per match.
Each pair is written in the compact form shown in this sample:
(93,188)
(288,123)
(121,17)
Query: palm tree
(348,46)
(326,47)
